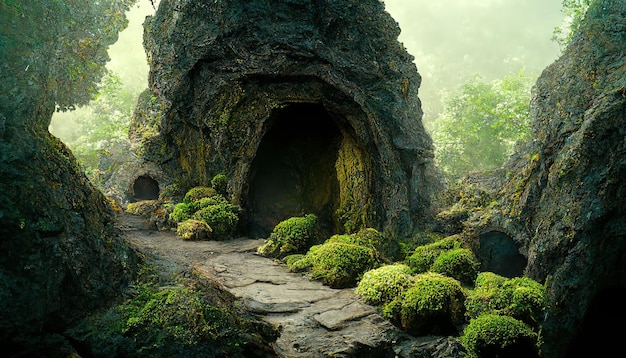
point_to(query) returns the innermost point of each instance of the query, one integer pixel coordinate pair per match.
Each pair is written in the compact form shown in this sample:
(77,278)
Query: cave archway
(145,188)
(602,325)
(498,253)
(293,172)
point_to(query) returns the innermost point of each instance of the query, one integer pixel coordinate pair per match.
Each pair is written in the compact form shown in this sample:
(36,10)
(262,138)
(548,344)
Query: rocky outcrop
(562,200)
(307,107)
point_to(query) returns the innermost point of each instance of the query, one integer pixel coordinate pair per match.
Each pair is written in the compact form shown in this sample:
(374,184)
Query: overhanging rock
(306,106)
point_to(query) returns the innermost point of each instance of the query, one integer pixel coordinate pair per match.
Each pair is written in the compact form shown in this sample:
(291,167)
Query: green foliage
(574,11)
(219,183)
(382,285)
(520,297)
(197,193)
(481,123)
(191,229)
(340,261)
(291,236)
(372,238)
(92,130)
(222,218)
(204,204)
(499,336)
(424,256)
(457,263)
(57,49)
(433,305)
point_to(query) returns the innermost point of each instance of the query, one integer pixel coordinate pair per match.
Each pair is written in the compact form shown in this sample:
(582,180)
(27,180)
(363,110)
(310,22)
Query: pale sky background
(451,40)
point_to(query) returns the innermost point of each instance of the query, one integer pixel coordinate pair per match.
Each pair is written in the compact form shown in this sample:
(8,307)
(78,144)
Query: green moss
(424,256)
(382,285)
(193,230)
(182,212)
(521,297)
(499,336)
(297,262)
(372,238)
(457,263)
(197,193)
(219,183)
(339,264)
(222,218)
(291,236)
(433,305)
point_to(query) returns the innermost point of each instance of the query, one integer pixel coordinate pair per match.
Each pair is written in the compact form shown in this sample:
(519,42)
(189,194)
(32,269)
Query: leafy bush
(294,235)
(424,256)
(433,305)
(492,335)
(338,264)
(197,193)
(222,218)
(457,263)
(193,230)
(219,183)
(382,285)
(521,297)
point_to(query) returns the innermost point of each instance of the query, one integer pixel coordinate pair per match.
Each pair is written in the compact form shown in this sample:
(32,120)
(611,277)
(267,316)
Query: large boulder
(562,201)
(306,106)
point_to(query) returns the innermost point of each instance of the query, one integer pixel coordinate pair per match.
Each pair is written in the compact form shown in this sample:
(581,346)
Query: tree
(574,11)
(481,123)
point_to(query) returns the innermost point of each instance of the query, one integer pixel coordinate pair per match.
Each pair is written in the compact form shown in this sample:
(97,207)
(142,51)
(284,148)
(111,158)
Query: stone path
(316,321)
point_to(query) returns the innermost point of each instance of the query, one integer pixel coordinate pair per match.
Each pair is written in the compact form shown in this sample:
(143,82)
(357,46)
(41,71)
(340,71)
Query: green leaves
(481,123)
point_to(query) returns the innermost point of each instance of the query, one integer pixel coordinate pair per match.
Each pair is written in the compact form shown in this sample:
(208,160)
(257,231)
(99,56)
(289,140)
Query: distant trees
(481,123)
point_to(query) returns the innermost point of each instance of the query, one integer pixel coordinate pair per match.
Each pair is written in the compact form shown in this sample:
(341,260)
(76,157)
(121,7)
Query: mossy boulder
(191,229)
(521,297)
(382,285)
(372,238)
(222,218)
(206,205)
(338,264)
(433,305)
(457,263)
(292,236)
(493,335)
(196,193)
(423,257)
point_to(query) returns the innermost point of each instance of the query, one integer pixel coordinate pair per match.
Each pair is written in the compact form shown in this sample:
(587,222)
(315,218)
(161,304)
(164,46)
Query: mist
(451,40)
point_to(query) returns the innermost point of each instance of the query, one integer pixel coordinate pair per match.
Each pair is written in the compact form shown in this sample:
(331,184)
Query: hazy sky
(451,41)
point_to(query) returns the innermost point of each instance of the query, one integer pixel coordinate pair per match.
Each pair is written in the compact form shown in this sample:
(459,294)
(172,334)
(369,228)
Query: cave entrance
(293,172)
(145,188)
(498,253)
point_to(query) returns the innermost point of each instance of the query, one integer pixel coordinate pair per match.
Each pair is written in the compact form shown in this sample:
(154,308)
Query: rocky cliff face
(307,107)
(563,197)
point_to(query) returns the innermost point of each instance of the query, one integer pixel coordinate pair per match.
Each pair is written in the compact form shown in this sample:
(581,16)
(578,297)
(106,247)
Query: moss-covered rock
(521,297)
(492,335)
(457,263)
(191,229)
(424,256)
(222,218)
(370,237)
(339,264)
(292,236)
(433,305)
(196,193)
(382,285)
(143,208)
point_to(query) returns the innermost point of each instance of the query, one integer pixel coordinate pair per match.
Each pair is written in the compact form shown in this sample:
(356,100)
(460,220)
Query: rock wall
(226,75)
(563,198)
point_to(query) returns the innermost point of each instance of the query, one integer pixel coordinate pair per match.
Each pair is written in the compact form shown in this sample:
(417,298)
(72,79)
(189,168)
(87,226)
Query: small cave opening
(293,172)
(145,188)
(602,325)
(498,253)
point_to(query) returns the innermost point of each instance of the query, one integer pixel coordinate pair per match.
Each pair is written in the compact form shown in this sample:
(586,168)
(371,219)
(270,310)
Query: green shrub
(433,305)
(370,237)
(193,230)
(222,218)
(182,212)
(424,256)
(521,297)
(340,265)
(382,285)
(197,193)
(297,262)
(219,183)
(291,236)
(457,263)
(492,335)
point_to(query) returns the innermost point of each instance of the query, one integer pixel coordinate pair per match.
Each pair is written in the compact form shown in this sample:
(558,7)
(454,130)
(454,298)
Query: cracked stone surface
(315,320)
